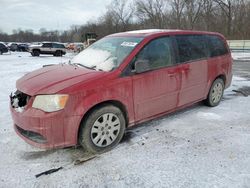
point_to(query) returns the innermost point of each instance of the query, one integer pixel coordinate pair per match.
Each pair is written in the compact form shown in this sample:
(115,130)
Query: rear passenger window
(47,45)
(191,47)
(216,46)
(158,52)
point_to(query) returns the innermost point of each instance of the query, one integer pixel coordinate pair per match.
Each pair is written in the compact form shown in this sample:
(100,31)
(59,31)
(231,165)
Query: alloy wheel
(105,130)
(217,92)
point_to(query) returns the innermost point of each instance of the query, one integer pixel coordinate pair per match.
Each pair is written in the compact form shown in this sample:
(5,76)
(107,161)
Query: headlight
(50,103)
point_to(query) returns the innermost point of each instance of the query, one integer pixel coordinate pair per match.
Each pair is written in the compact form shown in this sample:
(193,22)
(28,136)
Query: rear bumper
(46,130)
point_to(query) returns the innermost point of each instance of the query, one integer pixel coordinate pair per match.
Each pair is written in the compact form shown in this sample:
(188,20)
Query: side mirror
(142,65)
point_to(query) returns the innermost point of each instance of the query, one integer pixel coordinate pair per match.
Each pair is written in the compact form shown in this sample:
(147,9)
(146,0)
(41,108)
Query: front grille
(35,137)
(19,99)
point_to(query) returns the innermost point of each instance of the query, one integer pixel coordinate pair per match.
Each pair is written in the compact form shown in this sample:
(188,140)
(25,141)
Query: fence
(239,45)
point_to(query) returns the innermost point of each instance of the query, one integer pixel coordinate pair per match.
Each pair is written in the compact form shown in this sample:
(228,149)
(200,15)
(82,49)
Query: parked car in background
(23,47)
(13,47)
(76,47)
(70,46)
(54,48)
(3,48)
(117,82)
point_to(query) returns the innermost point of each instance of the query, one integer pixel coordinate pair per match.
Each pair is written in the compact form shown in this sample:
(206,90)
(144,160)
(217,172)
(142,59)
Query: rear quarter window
(55,45)
(216,45)
(191,47)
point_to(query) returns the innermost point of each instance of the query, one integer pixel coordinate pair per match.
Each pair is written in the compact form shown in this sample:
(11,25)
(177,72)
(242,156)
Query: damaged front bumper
(19,100)
(39,128)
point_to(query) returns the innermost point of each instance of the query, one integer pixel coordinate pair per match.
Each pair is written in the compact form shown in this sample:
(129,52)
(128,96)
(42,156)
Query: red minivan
(119,81)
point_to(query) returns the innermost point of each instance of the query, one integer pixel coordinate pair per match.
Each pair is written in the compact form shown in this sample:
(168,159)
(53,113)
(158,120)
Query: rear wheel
(102,130)
(36,53)
(216,92)
(1,52)
(58,53)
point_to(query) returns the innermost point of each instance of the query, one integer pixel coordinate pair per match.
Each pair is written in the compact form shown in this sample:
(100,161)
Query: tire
(58,53)
(1,53)
(215,93)
(36,53)
(102,130)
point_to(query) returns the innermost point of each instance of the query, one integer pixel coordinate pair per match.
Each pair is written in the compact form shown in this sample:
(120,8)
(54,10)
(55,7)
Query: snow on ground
(195,147)
(242,56)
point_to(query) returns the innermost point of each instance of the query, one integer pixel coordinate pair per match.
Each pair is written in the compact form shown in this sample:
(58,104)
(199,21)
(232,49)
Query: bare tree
(229,17)
(207,14)
(177,12)
(227,7)
(120,13)
(193,11)
(240,20)
(152,12)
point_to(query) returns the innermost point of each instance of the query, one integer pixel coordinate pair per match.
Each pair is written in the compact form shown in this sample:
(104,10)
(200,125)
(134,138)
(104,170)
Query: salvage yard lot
(195,147)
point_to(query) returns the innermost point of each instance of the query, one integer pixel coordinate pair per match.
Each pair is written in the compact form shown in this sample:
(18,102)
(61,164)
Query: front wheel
(215,93)
(102,130)
(58,53)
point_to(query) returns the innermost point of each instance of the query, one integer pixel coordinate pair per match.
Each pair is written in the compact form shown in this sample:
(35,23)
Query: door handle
(171,75)
(186,69)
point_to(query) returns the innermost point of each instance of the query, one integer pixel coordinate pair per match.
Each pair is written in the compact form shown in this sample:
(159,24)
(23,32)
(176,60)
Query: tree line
(229,17)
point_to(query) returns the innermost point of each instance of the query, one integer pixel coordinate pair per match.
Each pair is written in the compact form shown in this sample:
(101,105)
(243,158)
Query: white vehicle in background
(54,48)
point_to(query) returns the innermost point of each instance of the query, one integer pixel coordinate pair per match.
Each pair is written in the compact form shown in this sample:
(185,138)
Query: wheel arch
(36,49)
(115,103)
(222,76)
(58,50)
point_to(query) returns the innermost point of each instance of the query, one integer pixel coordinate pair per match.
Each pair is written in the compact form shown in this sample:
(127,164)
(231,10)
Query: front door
(156,91)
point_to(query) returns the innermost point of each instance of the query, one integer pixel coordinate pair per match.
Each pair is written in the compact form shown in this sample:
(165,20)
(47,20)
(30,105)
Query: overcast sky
(49,14)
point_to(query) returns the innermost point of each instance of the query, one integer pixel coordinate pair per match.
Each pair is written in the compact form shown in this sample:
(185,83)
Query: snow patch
(19,109)
(209,115)
(242,56)
(94,58)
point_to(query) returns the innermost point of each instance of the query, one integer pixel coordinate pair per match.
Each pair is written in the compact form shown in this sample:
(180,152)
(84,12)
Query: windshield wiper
(94,67)
(79,64)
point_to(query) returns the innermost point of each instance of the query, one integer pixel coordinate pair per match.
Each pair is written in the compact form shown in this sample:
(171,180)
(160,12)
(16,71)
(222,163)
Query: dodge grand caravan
(119,81)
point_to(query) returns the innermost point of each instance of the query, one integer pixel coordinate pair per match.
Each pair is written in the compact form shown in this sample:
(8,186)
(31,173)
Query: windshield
(107,53)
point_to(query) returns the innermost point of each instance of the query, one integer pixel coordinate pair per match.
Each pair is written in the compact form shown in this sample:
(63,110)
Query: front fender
(119,90)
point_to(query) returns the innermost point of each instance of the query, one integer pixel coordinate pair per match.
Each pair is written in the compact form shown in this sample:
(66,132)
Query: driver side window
(157,53)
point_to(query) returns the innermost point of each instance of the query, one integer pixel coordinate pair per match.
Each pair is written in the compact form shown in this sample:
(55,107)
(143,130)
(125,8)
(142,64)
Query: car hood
(52,79)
